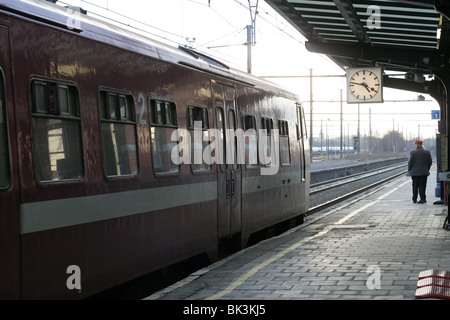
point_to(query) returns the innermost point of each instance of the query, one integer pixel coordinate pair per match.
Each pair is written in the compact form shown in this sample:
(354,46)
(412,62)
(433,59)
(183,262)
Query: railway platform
(372,247)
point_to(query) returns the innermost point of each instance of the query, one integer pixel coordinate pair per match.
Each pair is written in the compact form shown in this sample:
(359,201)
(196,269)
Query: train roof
(90,27)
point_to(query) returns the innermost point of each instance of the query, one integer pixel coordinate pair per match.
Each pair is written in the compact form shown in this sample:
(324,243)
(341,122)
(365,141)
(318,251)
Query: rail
(318,176)
(351,194)
(333,183)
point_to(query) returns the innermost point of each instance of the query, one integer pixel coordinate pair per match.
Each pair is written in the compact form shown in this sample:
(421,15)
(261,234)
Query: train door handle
(228,188)
(232,187)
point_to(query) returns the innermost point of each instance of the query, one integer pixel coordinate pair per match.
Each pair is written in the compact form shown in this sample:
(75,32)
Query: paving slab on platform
(373,247)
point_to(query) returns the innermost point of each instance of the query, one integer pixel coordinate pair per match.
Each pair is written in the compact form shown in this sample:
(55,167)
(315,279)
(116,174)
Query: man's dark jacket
(419,163)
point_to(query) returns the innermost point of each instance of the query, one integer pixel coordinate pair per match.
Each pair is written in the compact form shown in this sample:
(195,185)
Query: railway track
(330,192)
(328,184)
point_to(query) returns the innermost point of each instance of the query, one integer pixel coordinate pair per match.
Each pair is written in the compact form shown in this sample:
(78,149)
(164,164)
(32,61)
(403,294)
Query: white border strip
(45,215)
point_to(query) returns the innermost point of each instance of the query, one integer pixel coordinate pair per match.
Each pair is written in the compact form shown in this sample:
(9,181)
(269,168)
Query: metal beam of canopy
(405,27)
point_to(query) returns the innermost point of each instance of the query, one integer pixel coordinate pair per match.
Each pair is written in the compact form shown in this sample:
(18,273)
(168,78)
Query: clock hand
(371,88)
(366,86)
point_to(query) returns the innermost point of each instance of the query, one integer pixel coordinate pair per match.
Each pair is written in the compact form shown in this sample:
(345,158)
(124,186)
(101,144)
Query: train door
(228,171)
(9,185)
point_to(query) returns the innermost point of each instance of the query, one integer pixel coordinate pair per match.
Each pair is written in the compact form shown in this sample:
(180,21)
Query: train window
(118,132)
(250,141)
(55,99)
(40,97)
(198,114)
(57,146)
(284,142)
(222,139)
(163,117)
(163,113)
(267,124)
(5,174)
(198,118)
(232,127)
(303,123)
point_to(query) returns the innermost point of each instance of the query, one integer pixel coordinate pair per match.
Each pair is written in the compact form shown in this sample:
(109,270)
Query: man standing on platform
(419,164)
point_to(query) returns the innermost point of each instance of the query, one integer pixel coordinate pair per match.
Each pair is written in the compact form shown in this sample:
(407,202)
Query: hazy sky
(219,29)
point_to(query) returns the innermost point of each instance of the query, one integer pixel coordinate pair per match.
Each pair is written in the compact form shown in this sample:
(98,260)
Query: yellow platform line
(279,255)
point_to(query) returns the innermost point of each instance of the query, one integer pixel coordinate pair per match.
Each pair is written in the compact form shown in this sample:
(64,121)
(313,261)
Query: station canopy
(398,35)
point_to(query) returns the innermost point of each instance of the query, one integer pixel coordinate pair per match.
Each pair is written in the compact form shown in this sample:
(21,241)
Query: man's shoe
(422,201)
(414,201)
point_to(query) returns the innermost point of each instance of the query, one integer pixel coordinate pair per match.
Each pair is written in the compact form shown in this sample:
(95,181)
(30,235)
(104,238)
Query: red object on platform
(433,284)
(433,281)
(433,292)
(434,273)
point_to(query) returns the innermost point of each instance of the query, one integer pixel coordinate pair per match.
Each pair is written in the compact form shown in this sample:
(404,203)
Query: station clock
(364,84)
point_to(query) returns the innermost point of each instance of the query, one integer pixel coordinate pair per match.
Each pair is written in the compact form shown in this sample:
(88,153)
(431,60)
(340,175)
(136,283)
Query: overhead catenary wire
(176,38)
(104,17)
(146,28)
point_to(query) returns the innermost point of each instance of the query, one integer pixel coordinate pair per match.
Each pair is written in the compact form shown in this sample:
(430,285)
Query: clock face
(364,85)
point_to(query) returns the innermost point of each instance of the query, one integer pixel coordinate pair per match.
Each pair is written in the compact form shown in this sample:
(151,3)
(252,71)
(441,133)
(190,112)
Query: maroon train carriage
(91,117)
